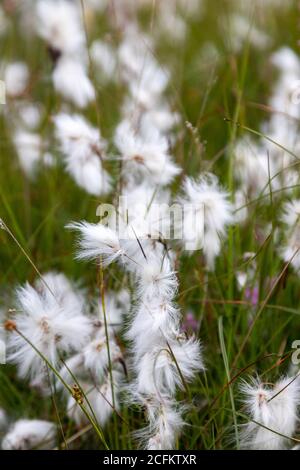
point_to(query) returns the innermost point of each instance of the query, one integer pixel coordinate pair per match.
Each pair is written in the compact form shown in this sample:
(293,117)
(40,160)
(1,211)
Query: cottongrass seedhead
(286,60)
(163,369)
(30,434)
(83,148)
(163,359)
(70,79)
(145,78)
(67,294)
(165,425)
(53,327)
(144,212)
(208,212)
(145,156)
(161,321)
(252,167)
(170,23)
(156,279)
(158,116)
(97,240)
(58,22)
(16,77)
(291,214)
(30,115)
(273,408)
(29,150)
(95,353)
(242,29)
(78,137)
(99,367)
(105,60)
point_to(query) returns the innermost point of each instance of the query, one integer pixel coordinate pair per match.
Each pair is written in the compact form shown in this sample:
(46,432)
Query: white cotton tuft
(104,58)
(207,213)
(97,240)
(29,150)
(31,115)
(51,324)
(165,424)
(30,434)
(83,148)
(273,408)
(59,23)
(145,156)
(146,79)
(252,168)
(70,79)
(163,369)
(16,77)
(160,318)
(95,353)
(243,31)
(157,279)
(286,60)
(67,294)
(144,213)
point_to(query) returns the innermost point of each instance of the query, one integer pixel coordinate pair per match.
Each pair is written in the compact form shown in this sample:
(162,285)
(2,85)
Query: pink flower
(252,295)
(190,323)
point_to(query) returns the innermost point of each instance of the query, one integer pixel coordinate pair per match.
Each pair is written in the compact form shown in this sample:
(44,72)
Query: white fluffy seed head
(165,424)
(16,77)
(58,22)
(30,434)
(66,293)
(29,150)
(104,58)
(157,280)
(274,411)
(97,240)
(160,318)
(145,156)
(70,79)
(51,325)
(168,366)
(83,150)
(95,353)
(207,214)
